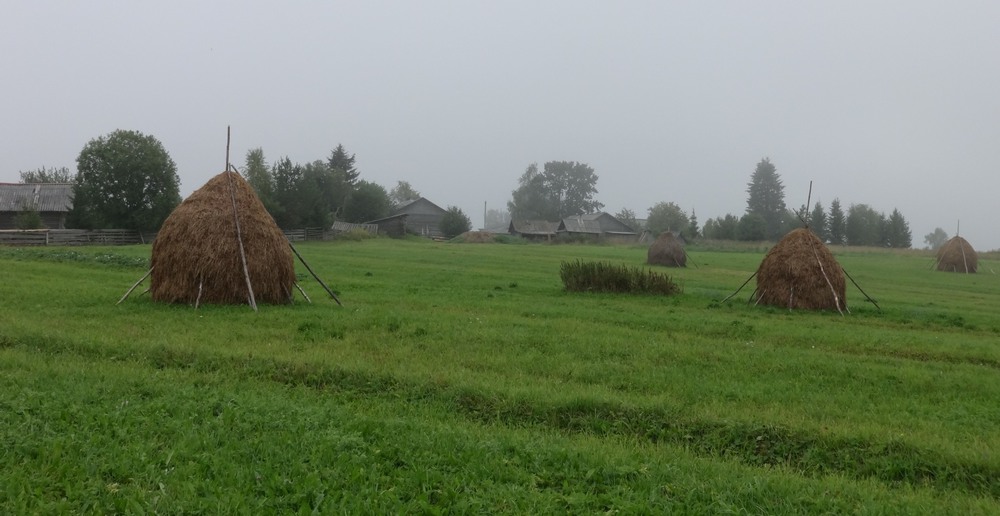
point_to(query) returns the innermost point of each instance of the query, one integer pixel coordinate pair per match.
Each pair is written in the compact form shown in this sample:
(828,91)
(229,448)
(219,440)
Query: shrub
(606,277)
(454,222)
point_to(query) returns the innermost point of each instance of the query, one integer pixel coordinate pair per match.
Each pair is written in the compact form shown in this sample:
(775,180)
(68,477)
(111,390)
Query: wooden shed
(417,217)
(598,225)
(52,201)
(538,230)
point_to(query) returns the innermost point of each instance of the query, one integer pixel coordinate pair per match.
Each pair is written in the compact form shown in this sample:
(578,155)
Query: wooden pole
(150,271)
(741,287)
(239,232)
(308,268)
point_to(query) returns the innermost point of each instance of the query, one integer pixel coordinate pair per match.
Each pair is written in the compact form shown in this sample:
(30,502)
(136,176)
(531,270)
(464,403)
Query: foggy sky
(891,104)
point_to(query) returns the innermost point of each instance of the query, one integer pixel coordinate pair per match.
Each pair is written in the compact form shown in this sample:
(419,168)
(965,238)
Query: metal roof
(40,196)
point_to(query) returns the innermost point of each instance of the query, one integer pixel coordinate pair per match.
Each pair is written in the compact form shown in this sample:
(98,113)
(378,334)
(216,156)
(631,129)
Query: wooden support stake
(239,232)
(303,292)
(741,287)
(150,271)
(308,268)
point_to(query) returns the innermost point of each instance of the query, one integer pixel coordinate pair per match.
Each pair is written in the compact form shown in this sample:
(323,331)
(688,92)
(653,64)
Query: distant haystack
(667,250)
(957,255)
(800,272)
(196,257)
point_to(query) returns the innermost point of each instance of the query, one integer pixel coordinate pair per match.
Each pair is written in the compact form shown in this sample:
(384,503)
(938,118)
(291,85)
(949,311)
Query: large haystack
(196,254)
(957,255)
(800,272)
(667,250)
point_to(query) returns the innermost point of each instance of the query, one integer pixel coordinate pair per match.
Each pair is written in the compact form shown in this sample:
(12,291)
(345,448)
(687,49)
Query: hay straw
(957,255)
(197,249)
(667,250)
(802,264)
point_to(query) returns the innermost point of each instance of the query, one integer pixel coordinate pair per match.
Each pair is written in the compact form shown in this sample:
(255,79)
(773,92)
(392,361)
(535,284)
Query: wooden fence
(127,236)
(74,237)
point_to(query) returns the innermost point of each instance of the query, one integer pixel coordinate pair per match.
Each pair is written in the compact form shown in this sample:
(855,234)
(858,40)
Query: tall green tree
(287,176)
(667,216)
(317,195)
(454,222)
(497,218)
(693,231)
(897,231)
(627,217)
(258,175)
(368,201)
(752,227)
(766,197)
(721,228)
(864,226)
(837,224)
(817,222)
(561,189)
(344,164)
(47,175)
(402,193)
(936,239)
(124,180)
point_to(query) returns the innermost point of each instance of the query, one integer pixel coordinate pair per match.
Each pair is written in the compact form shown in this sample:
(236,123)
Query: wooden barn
(538,230)
(418,217)
(52,201)
(598,226)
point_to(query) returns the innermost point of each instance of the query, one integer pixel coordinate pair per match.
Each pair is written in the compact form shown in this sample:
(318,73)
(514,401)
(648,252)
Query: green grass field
(461,378)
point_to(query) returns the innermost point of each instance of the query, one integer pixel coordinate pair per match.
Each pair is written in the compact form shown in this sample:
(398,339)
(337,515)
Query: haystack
(800,272)
(197,258)
(667,250)
(957,255)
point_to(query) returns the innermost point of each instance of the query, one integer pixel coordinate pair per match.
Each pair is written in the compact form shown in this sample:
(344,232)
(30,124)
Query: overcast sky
(894,104)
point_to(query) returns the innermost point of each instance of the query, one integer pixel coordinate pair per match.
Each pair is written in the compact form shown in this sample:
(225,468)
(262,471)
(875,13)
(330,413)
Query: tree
(454,222)
(402,193)
(837,224)
(496,219)
(693,231)
(125,180)
(47,175)
(817,222)
(752,227)
(667,216)
(627,217)
(28,218)
(864,226)
(368,201)
(766,197)
(258,175)
(316,195)
(722,228)
(936,239)
(286,182)
(562,189)
(340,161)
(897,231)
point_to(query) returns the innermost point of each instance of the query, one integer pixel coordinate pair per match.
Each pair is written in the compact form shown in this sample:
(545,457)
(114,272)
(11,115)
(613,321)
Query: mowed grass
(462,378)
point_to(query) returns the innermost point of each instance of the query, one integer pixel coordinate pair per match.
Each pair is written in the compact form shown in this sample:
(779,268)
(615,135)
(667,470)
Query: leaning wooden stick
(150,271)
(739,289)
(308,268)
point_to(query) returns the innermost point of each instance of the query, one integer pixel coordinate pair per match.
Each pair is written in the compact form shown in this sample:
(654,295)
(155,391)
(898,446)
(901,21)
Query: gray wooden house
(51,200)
(597,226)
(418,217)
(533,229)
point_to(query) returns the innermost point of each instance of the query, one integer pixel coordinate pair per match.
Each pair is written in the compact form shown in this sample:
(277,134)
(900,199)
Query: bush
(454,222)
(606,277)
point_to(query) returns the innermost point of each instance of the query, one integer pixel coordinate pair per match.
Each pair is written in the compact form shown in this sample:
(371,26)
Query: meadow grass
(463,378)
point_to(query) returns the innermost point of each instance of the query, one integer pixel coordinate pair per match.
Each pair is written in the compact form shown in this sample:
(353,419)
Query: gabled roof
(416,204)
(581,224)
(40,196)
(533,227)
(595,224)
